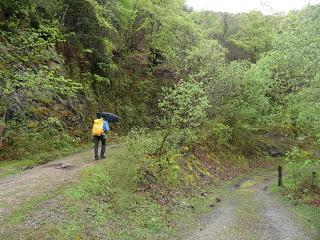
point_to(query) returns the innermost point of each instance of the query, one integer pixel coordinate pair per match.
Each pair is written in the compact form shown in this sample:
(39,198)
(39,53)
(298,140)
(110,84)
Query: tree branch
(64,15)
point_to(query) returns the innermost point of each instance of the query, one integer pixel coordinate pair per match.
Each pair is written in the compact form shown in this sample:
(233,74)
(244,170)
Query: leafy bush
(299,168)
(221,132)
(152,168)
(45,137)
(184,105)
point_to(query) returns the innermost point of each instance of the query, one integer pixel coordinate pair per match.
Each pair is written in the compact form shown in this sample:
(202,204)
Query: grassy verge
(142,219)
(108,206)
(10,167)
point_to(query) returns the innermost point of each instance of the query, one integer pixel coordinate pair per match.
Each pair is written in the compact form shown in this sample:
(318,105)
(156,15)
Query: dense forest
(157,64)
(220,90)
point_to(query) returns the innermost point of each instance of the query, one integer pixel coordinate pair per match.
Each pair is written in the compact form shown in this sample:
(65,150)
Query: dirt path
(41,188)
(41,181)
(250,213)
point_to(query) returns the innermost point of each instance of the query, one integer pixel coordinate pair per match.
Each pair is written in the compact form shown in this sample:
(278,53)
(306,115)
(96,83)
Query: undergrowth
(302,180)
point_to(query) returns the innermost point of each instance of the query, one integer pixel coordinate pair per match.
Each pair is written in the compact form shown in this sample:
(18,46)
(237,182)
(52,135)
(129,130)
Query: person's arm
(106,126)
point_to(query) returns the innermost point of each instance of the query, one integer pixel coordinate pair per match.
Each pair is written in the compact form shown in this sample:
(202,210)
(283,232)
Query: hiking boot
(96,158)
(102,157)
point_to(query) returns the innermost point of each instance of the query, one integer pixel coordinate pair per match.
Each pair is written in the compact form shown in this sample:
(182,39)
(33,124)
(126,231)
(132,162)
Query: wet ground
(249,212)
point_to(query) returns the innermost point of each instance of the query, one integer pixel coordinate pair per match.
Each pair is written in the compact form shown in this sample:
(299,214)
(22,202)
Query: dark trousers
(96,140)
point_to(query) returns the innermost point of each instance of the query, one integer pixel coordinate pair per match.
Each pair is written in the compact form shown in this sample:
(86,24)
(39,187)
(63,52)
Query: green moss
(40,111)
(248,184)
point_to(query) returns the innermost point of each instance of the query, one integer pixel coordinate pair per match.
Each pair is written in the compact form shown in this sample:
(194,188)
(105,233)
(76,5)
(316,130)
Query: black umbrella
(110,117)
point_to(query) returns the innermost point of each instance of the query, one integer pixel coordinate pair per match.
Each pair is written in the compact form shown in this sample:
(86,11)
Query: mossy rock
(184,149)
(42,99)
(32,124)
(40,111)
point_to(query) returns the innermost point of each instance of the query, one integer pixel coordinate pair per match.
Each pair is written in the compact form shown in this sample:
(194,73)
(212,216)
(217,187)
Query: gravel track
(41,180)
(248,212)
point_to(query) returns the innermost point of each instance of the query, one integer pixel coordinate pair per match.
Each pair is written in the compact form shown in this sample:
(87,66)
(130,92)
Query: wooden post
(3,126)
(280,176)
(314,180)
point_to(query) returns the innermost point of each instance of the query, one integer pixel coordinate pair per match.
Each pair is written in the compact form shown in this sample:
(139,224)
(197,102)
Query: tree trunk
(159,151)
(64,15)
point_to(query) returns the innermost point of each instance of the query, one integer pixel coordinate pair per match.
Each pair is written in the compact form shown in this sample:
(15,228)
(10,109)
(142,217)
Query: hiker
(99,129)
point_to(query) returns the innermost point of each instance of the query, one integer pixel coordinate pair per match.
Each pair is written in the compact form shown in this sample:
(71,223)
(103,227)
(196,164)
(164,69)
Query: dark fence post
(314,179)
(280,176)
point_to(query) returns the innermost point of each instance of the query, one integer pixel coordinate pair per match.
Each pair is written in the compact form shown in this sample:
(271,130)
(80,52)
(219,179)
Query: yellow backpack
(97,128)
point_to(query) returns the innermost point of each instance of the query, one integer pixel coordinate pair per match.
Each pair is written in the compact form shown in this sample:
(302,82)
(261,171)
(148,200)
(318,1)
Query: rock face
(274,144)
(4,51)
(277,153)
(34,75)
(316,154)
(273,151)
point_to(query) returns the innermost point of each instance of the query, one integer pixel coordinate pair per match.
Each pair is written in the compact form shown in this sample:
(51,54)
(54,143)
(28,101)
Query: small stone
(212,205)
(192,207)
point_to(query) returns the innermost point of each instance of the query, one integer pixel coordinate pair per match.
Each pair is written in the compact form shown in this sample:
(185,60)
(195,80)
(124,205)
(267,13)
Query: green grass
(21,214)
(114,206)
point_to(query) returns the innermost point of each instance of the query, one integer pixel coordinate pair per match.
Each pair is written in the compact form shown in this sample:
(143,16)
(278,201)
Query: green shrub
(221,132)
(151,167)
(299,171)
(48,136)
(184,105)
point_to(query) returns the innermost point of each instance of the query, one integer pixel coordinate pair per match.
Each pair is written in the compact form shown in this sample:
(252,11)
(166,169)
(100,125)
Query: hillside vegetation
(201,95)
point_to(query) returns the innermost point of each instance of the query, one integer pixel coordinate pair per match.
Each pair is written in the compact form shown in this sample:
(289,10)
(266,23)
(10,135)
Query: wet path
(250,213)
